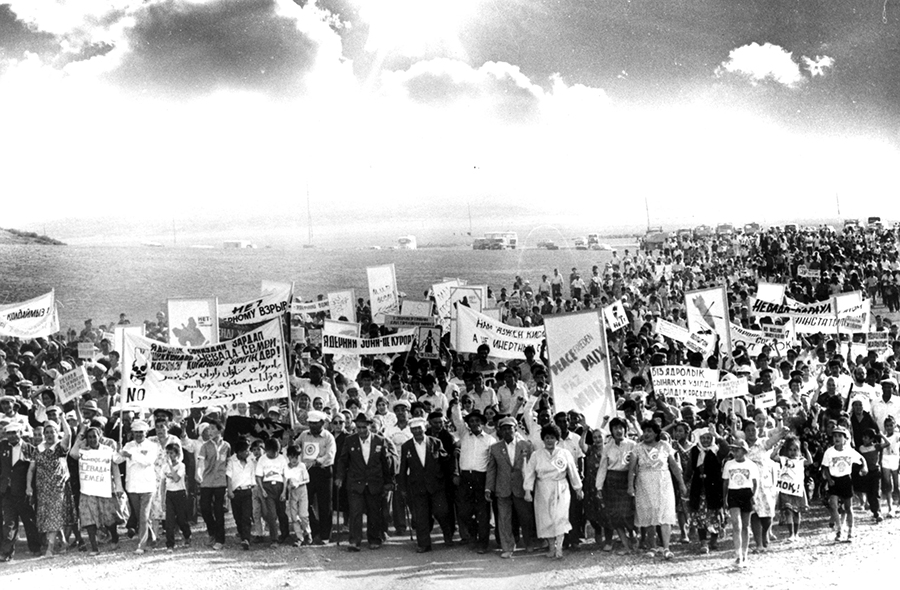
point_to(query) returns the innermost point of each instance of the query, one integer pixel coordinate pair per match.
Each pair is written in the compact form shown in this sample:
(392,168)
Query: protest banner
(310,307)
(441,293)
(257,311)
(804,272)
(348,365)
(409,307)
(471,296)
(765,400)
(193,322)
(273,287)
(30,319)
(342,304)
(314,337)
(383,295)
(707,310)
(86,350)
(754,340)
(95,472)
(731,388)
(507,342)
(615,317)
(72,384)
(119,336)
(298,334)
(407,321)
(253,429)
(878,341)
(249,368)
(673,331)
(391,344)
(770,292)
(428,341)
(338,328)
(705,344)
(682,382)
(579,365)
(847,313)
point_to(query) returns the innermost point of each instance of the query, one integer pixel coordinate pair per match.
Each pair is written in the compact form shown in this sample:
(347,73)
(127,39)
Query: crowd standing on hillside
(475,445)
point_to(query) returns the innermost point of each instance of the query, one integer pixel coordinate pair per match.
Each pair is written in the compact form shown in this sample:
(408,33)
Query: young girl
(890,463)
(740,479)
(295,495)
(270,470)
(258,527)
(792,460)
(176,497)
(837,464)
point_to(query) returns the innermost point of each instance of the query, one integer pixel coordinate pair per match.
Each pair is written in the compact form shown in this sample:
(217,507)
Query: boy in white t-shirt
(296,477)
(176,497)
(837,465)
(740,479)
(890,463)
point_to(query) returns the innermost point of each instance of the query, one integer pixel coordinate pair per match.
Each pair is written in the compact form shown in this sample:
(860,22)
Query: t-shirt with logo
(840,463)
(740,474)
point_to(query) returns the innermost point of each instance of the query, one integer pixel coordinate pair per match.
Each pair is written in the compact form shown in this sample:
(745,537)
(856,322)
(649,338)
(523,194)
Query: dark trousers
(177,512)
(474,510)
(274,512)
(370,504)
(242,510)
(576,519)
(871,486)
(425,506)
(212,507)
(16,508)
(320,507)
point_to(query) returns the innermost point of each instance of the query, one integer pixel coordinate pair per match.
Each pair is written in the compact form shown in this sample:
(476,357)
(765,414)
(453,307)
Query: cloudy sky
(556,109)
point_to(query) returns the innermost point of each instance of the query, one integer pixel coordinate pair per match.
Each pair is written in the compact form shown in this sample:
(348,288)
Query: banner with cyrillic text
(615,317)
(846,313)
(265,308)
(95,472)
(342,304)
(310,307)
(34,318)
(732,388)
(673,331)
(193,322)
(249,368)
(507,342)
(441,293)
(681,381)
(383,294)
(391,344)
(579,365)
(72,384)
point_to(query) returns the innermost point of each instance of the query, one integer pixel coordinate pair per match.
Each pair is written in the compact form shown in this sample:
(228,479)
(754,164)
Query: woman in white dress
(547,476)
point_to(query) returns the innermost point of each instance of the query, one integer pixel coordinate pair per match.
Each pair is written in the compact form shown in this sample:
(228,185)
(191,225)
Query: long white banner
(344,344)
(579,365)
(681,381)
(257,311)
(30,319)
(249,368)
(507,342)
(847,312)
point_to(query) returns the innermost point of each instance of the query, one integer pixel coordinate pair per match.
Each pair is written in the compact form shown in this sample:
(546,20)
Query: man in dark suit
(15,459)
(421,480)
(366,465)
(437,430)
(505,476)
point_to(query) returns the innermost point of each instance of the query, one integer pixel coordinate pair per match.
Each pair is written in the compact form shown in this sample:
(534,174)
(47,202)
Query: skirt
(97,511)
(654,499)
(741,499)
(618,505)
(788,503)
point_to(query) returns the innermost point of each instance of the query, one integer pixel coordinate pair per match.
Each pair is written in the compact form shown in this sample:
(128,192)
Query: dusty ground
(817,562)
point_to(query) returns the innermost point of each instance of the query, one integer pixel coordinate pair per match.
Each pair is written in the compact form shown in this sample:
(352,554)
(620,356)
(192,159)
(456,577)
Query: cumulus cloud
(817,66)
(758,63)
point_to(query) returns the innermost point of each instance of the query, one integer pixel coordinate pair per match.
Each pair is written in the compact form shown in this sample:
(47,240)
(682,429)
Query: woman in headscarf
(50,474)
(98,504)
(612,484)
(703,476)
(650,482)
(547,476)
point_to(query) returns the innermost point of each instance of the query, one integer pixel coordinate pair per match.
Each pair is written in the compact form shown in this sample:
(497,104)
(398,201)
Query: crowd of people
(477,445)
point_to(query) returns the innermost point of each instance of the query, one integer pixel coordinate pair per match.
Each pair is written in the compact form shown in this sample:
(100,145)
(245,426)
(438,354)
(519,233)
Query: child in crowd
(792,459)
(270,471)
(740,478)
(295,495)
(837,464)
(890,463)
(870,483)
(176,497)
(258,527)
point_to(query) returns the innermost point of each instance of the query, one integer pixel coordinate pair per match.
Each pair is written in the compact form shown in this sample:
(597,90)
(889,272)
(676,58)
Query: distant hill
(14,236)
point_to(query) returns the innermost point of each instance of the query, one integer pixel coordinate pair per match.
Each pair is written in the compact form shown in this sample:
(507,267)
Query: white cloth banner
(673,331)
(71,385)
(442,292)
(615,317)
(393,343)
(342,304)
(249,368)
(268,307)
(193,322)
(95,472)
(506,342)
(579,365)
(731,388)
(681,381)
(30,319)
(707,310)
(383,295)
(770,292)
(848,313)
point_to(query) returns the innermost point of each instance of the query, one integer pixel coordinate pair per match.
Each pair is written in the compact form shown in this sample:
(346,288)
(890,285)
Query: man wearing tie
(15,459)
(421,480)
(366,464)
(505,477)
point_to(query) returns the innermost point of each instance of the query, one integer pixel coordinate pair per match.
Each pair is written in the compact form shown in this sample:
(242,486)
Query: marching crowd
(476,445)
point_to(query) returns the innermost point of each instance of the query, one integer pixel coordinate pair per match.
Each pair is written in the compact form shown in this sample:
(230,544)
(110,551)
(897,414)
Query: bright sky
(223,107)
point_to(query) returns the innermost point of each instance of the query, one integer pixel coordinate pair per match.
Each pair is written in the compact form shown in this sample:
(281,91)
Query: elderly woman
(547,476)
(99,504)
(50,474)
(704,474)
(612,484)
(650,482)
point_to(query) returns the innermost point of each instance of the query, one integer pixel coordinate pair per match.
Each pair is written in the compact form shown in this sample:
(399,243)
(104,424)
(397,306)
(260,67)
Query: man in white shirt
(240,476)
(474,453)
(509,393)
(317,388)
(399,433)
(139,455)
(319,449)
(887,405)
